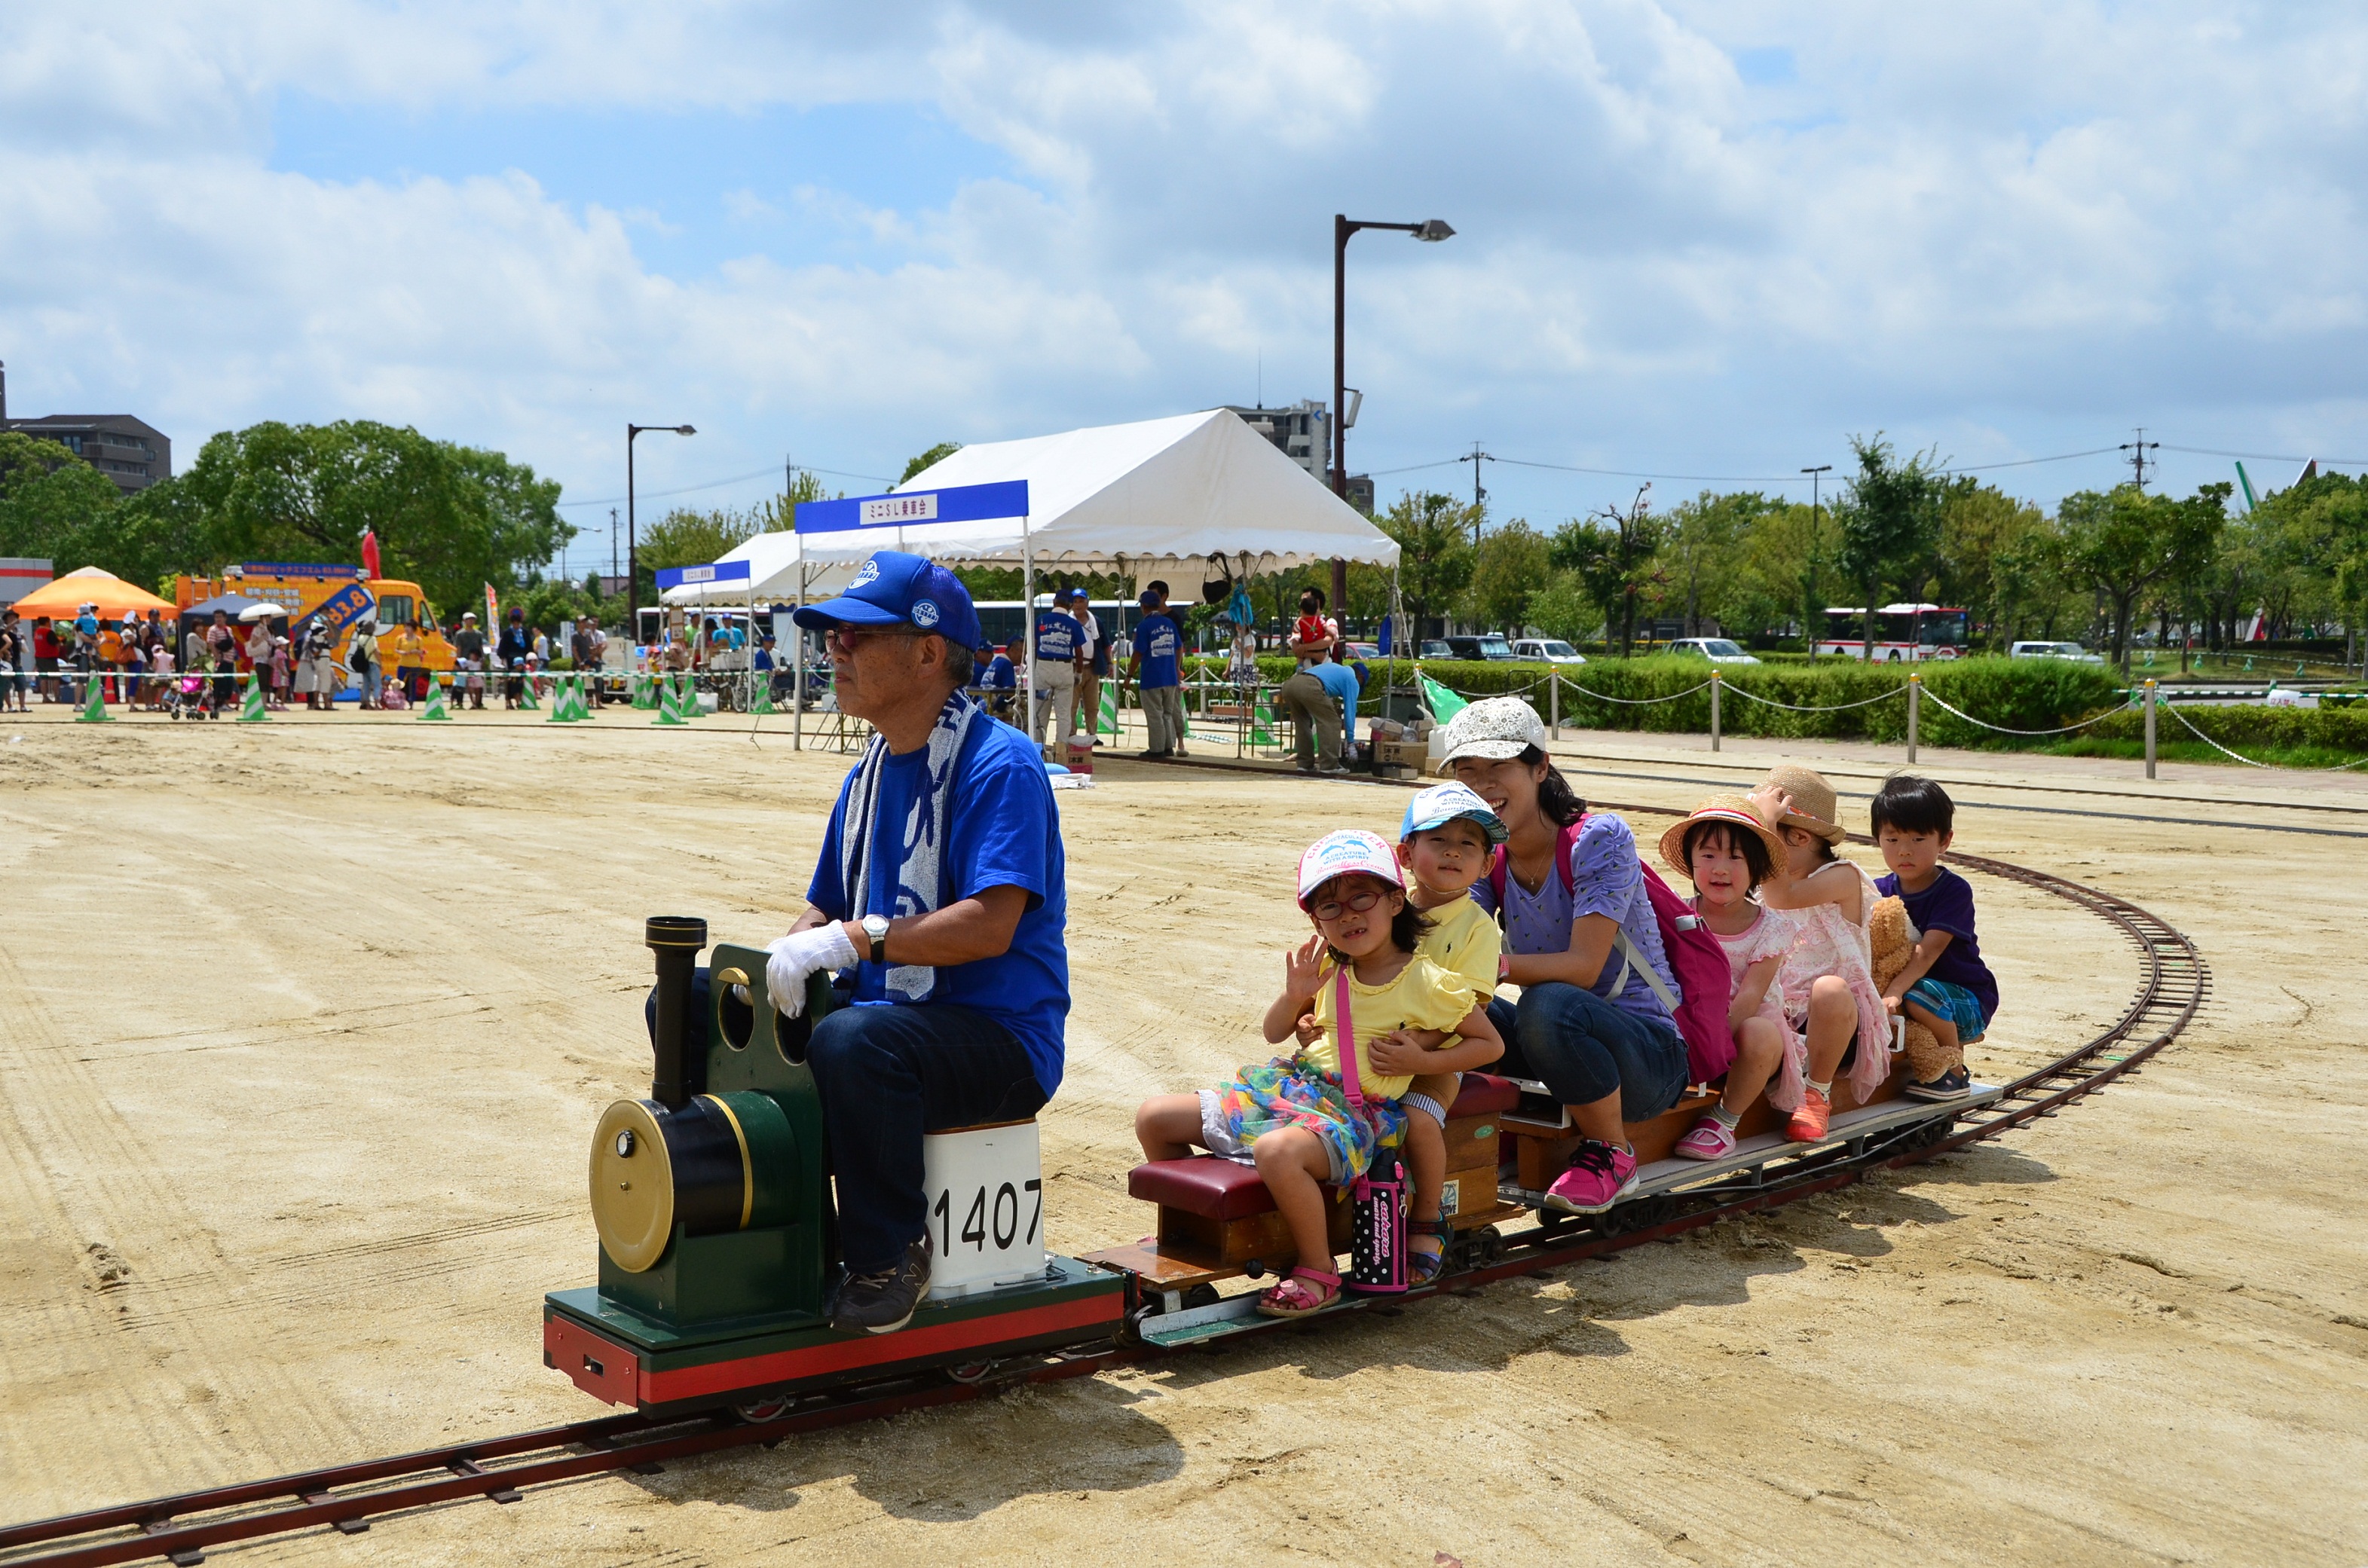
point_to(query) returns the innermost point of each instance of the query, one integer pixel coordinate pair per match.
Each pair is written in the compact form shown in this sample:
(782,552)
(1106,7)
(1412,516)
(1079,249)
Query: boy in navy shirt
(1945,987)
(1156,667)
(999,676)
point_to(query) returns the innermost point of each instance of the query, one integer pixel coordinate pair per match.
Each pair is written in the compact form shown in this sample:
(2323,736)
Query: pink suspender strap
(1345,1038)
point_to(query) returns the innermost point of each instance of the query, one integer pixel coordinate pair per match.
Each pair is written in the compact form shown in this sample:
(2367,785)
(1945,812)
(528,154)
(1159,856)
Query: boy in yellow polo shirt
(1445,844)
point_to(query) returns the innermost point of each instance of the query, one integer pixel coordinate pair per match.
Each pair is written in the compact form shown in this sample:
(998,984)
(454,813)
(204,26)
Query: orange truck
(339,595)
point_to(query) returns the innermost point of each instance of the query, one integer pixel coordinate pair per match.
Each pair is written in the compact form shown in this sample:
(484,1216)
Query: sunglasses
(847,638)
(1333,908)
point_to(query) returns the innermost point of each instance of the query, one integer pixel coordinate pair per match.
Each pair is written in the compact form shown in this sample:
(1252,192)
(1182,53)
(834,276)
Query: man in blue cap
(939,896)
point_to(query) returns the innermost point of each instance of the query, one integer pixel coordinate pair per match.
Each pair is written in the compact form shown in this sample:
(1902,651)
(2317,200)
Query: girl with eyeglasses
(1291,1117)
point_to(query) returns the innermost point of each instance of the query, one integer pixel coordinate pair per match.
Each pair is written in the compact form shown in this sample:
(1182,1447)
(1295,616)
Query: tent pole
(798,682)
(1028,616)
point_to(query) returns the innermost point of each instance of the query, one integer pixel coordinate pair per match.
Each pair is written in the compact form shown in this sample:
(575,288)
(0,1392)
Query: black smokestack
(675,940)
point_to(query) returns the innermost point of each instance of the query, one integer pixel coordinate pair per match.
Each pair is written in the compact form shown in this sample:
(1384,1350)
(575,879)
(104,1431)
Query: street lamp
(632,544)
(1809,609)
(1431,232)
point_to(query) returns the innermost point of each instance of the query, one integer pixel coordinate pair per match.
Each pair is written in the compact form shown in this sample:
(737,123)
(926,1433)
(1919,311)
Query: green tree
(1890,524)
(1613,553)
(1435,556)
(688,536)
(1507,570)
(1979,525)
(2124,542)
(1565,609)
(934,456)
(54,504)
(449,518)
(1704,551)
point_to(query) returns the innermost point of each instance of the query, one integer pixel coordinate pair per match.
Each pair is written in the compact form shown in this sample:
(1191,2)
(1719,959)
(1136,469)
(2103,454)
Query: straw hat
(1813,805)
(1732,810)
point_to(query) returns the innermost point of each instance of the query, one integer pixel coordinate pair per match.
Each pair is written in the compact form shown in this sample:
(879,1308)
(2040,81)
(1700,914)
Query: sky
(1703,243)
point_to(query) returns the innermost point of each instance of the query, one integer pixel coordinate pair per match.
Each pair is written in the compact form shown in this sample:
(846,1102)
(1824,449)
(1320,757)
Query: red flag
(370,552)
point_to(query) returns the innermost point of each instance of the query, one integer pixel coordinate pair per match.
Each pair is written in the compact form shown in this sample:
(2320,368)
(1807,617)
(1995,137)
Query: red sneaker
(1808,1124)
(1600,1174)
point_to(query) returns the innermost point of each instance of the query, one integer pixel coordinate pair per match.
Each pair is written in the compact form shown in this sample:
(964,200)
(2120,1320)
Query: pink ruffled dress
(1830,942)
(1773,934)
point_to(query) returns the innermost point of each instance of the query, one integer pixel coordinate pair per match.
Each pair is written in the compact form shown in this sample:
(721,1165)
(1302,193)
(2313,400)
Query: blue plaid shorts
(1954,1002)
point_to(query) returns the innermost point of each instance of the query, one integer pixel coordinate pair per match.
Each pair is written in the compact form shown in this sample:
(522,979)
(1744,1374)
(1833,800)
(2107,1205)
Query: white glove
(799,954)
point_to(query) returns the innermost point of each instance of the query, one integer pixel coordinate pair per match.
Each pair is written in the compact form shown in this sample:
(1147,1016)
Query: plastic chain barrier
(1630,701)
(1836,708)
(2215,745)
(2003,730)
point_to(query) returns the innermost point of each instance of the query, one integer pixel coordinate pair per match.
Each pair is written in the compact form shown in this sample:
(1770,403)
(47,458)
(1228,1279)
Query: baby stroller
(192,696)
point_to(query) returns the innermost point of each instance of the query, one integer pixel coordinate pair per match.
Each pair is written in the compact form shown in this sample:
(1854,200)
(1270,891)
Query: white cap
(1494,728)
(1343,853)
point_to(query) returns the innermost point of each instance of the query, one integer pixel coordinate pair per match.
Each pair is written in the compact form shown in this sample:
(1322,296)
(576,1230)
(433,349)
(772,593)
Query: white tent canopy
(773,575)
(1152,499)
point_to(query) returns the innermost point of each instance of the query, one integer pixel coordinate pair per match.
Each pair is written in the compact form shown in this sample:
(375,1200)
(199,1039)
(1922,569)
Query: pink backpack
(1704,981)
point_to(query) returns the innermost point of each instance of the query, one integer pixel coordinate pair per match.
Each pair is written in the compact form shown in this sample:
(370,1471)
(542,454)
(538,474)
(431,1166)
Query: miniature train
(718,1243)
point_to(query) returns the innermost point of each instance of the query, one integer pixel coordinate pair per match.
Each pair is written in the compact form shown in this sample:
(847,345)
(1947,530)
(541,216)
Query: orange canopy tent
(115,598)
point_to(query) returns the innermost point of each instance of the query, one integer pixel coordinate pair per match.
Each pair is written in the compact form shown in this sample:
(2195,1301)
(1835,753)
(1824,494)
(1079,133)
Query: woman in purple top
(1589,1026)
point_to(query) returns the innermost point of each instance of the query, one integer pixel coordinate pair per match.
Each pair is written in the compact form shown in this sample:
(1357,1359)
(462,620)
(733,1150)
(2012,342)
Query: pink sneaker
(1599,1175)
(1710,1139)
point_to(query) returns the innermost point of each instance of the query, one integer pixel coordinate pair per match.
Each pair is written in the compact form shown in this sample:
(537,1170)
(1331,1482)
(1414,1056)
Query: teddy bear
(1892,938)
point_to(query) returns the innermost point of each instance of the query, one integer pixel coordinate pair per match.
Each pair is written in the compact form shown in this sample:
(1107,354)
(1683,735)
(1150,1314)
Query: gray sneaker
(883,1302)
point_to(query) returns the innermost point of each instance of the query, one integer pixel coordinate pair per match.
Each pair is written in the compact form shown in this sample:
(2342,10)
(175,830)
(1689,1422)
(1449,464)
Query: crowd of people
(1505,876)
(198,667)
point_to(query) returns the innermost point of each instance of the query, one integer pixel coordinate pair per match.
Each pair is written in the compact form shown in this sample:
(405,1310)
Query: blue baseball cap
(896,589)
(1445,803)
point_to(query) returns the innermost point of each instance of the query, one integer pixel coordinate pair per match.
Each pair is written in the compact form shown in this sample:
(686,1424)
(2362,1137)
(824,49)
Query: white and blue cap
(1343,853)
(896,589)
(1444,803)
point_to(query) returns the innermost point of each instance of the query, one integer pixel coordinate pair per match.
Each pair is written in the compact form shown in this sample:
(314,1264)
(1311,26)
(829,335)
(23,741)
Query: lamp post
(632,544)
(1809,609)
(1431,231)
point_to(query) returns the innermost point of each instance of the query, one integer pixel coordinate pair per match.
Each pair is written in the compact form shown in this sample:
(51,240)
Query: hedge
(2023,694)
(2249,729)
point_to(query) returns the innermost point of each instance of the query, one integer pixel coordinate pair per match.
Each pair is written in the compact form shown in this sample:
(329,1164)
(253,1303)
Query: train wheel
(757,1411)
(1492,1244)
(973,1371)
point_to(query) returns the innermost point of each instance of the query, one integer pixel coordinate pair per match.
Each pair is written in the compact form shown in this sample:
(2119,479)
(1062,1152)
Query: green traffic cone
(250,707)
(685,699)
(579,712)
(760,700)
(93,708)
(435,708)
(528,701)
(669,703)
(645,694)
(1261,720)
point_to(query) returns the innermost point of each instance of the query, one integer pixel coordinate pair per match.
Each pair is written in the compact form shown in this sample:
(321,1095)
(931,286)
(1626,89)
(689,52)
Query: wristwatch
(876,927)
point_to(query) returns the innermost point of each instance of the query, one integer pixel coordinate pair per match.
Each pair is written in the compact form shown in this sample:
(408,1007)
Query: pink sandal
(1293,1300)
(1710,1139)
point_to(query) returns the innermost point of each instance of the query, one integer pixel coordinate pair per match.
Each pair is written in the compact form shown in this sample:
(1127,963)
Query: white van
(2072,651)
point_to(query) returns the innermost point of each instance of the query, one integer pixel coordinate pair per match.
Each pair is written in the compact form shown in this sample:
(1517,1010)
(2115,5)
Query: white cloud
(2016,227)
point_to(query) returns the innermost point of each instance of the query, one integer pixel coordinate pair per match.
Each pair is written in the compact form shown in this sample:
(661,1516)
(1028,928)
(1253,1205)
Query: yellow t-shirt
(1423,997)
(1464,940)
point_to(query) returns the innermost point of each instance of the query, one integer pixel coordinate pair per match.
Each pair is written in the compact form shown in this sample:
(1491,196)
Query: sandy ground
(302,1029)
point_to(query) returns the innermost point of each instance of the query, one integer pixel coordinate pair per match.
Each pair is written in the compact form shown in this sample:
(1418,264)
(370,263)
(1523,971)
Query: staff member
(939,899)
(1156,667)
(1060,643)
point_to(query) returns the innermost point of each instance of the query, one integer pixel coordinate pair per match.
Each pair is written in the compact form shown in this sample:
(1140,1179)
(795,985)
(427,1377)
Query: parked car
(2072,651)
(1489,645)
(1364,650)
(1434,648)
(1547,651)
(1717,650)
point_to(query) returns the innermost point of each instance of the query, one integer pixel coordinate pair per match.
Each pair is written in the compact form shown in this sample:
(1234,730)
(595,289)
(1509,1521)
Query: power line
(2263,456)
(719,484)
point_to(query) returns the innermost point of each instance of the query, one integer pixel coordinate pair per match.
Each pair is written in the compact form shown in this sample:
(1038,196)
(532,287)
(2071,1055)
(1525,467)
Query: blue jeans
(1584,1048)
(886,1076)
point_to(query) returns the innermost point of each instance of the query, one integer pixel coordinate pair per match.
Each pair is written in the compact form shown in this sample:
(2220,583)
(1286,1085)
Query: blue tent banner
(956,503)
(716,571)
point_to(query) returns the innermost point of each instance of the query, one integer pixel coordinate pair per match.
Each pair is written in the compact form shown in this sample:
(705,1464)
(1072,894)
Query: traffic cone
(644,691)
(670,702)
(579,712)
(435,708)
(94,708)
(1109,722)
(528,701)
(559,714)
(250,707)
(1262,722)
(760,700)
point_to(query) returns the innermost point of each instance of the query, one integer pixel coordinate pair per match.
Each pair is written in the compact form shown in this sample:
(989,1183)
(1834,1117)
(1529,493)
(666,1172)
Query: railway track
(2174,982)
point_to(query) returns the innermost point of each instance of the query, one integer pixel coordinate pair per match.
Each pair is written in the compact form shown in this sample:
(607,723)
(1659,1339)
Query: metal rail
(2173,982)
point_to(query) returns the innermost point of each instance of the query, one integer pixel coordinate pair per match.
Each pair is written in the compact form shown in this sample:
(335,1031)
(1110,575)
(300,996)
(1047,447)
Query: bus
(1901,631)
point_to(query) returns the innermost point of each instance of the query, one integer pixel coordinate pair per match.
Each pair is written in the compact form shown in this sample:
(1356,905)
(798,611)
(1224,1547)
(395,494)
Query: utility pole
(613,542)
(1809,604)
(2137,450)
(1476,457)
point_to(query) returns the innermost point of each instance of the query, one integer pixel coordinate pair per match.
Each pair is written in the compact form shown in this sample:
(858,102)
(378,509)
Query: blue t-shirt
(1947,905)
(1342,682)
(1056,637)
(1606,878)
(1002,830)
(1001,675)
(1158,639)
(762,659)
